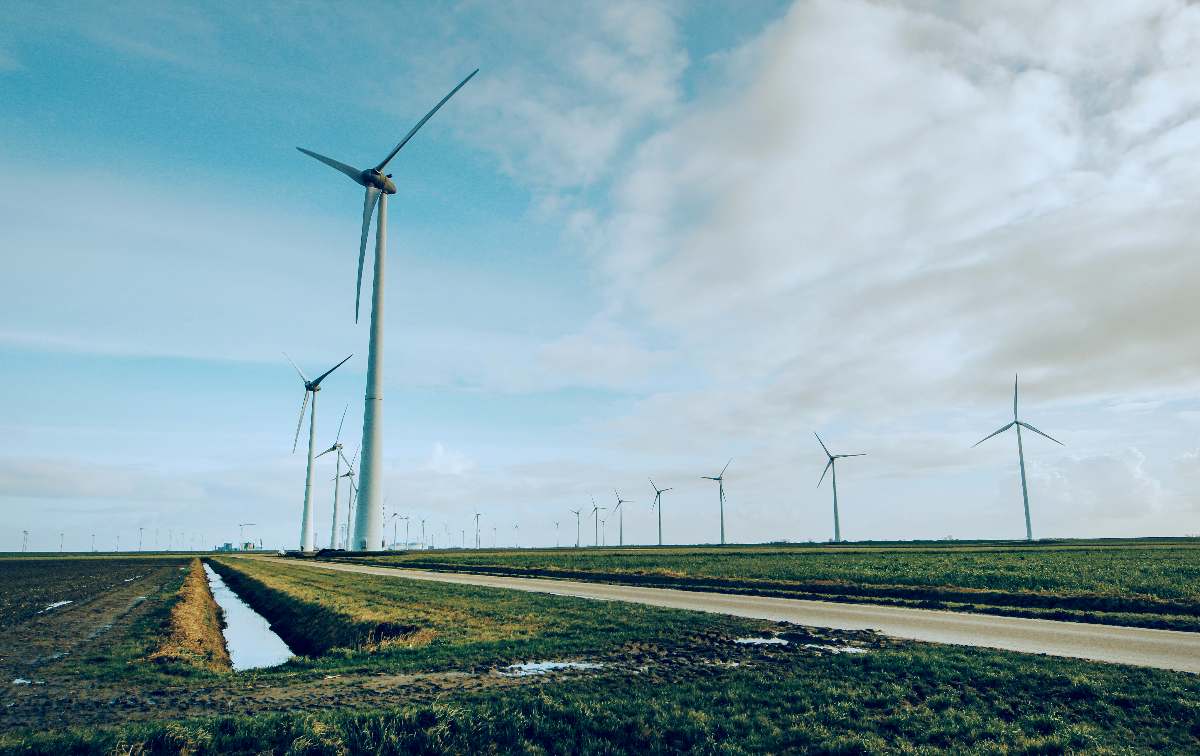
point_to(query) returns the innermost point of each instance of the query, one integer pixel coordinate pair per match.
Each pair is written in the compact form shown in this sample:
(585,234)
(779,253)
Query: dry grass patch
(195,626)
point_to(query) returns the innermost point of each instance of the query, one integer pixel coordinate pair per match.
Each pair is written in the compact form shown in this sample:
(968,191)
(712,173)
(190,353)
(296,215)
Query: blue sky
(645,239)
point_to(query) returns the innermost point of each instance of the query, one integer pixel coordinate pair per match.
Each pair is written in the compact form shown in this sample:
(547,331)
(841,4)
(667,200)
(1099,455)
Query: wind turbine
(576,513)
(621,520)
(337,458)
(658,492)
(596,510)
(477,530)
(349,475)
(1019,424)
(310,387)
(557,541)
(721,489)
(368,525)
(832,463)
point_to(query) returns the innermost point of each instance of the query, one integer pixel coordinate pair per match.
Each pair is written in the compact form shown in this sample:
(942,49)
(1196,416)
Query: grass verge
(195,626)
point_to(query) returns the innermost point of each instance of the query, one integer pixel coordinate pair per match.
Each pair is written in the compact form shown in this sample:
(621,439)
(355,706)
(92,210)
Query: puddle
(761,641)
(21,681)
(836,649)
(55,605)
(541,668)
(248,636)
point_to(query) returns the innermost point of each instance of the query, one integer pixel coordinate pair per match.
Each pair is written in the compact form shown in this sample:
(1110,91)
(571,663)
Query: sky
(646,239)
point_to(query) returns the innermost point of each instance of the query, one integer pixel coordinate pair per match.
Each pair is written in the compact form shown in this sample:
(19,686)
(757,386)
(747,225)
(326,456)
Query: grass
(195,626)
(1148,583)
(444,626)
(911,699)
(899,697)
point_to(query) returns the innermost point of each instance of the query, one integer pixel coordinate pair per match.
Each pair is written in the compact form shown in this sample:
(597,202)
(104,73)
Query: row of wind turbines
(830,469)
(364,526)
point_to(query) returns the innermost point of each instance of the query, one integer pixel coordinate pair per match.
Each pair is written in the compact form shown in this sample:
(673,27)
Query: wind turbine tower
(1019,424)
(720,479)
(310,387)
(832,464)
(620,519)
(477,530)
(368,523)
(596,510)
(576,513)
(658,492)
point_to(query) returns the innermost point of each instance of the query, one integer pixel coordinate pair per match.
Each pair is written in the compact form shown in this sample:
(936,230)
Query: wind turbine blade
(369,200)
(353,173)
(828,465)
(652,483)
(338,437)
(322,454)
(840,456)
(726,467)
(300,422)
(343,456)
(996,433)
(822,443)
(355,457)
(666,489)
(421,122)
(321,377)
(1024,424)
(303,377)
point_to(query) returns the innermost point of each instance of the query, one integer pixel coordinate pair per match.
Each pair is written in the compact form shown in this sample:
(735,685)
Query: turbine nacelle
(375,178)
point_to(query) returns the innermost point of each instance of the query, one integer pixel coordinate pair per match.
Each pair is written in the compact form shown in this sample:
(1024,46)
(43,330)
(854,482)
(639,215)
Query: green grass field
(673,681)
(1153,583)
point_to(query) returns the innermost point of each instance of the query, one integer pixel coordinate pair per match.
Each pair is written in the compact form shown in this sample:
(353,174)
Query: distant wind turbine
(721,490)
(1019,424)
(576,513)
(621,519)
(658,492)
(832,464)
(337,458)
(368,525)
(310,387)
(477,530)
(596,510)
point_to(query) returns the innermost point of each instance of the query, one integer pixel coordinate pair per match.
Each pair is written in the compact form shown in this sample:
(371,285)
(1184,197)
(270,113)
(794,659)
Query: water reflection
(248,636)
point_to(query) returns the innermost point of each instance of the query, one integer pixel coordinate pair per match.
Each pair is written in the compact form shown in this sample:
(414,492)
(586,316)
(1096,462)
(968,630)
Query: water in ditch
(248,636)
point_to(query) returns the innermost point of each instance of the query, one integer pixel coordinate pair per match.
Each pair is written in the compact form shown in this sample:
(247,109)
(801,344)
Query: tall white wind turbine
(832,464)
(658,492)
(1019,424)
(720,479)
(368,523)
(310,387)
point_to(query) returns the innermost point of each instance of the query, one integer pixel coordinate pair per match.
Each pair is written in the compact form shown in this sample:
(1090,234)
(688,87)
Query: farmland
(394,665)
(30,585)
(1143,583)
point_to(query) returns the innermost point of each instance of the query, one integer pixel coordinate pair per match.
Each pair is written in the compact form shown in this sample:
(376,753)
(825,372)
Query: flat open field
(1148,583)
(394,665)
(29,585)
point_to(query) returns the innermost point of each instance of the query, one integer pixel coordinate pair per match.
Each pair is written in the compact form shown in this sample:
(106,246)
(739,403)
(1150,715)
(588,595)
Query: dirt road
(1162,649)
